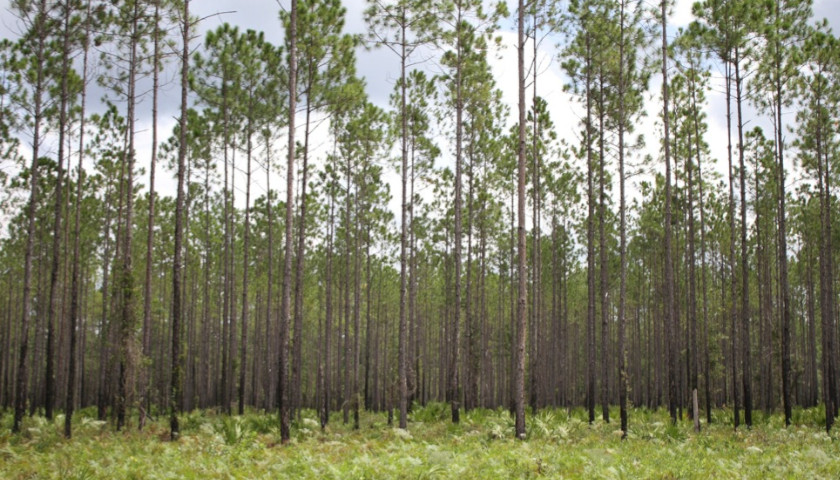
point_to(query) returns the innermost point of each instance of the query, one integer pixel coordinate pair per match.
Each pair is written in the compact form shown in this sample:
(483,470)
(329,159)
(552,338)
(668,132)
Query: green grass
(560,444)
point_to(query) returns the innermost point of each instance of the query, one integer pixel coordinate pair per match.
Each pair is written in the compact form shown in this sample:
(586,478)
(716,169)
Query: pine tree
(175,388)
(35,39)
(283,384)
(522,300)
(407,25)
(75,294)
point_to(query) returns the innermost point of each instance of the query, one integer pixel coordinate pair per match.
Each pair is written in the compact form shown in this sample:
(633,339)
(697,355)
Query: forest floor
(560,444)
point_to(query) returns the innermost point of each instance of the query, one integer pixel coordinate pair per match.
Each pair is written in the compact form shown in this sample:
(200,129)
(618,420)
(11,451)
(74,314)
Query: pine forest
(357,222)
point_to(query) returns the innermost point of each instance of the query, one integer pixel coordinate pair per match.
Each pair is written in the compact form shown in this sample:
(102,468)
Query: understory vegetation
(561,444)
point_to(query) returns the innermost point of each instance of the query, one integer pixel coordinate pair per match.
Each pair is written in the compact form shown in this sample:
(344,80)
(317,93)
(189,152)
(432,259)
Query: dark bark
(246,238)
(126,276)
(782,215)
(590,242)
(283,383)
(34,174)
(622,209)
(402,360)
(670,315)
(745,272)
(175,385)
(454,380)
(706,359)
(145,401)
(75,288)
(325,407)
(53,309)
(603,267)
(297,352)
(522,300)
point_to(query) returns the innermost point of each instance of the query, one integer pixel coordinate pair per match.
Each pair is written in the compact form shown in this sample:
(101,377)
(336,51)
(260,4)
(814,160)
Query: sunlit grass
(560,444)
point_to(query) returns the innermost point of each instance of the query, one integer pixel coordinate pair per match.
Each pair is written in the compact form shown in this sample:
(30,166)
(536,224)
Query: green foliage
(432,412)
(560,444)
(231,430)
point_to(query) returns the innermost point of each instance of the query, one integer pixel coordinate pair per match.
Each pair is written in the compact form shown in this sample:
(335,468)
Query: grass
(560,444)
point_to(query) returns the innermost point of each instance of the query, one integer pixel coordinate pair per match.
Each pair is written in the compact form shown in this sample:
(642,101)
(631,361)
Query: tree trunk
(70,399)
(402,361)
(283,383)
(590,242)
(745,271)
(297,352)
(602,250)
(126,281)
(522,301)
(783,265)
(622,209)
(20,387)
(53,311)
(175,387)
(243,351)
(670,316)
(454,380)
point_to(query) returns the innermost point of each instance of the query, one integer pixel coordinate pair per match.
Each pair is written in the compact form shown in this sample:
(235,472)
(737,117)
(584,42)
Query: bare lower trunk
(283,383)
(522,300)
(670,316)
(175,386)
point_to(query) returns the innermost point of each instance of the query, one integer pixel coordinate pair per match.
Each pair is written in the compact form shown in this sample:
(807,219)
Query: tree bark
(522,300)
(670,316)
(175,386)
(283,383)
(145,401)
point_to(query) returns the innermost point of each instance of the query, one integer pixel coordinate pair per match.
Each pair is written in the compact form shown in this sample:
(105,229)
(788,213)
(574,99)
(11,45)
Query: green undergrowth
(560,444)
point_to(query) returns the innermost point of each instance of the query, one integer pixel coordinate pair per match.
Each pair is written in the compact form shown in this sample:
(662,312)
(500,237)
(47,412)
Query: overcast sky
(380,69)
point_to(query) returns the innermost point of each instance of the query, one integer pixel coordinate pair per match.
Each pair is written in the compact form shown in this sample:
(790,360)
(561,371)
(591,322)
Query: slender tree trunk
(469,314)
(402,361)
(230,367)
(145,401)
(536,379)
(207,323)
(297,352)
(454,380)
(745,272)
(692,271)
(243,351)
(175,387)
(104,324)
(357,292)
(325,408)
(227,259)
(412,277)
(284,385)
(783,264)
(348,346)
(733,280)
(368,328)
(622,209)
(670,320)
(826,282)
(70,399)
(706,360)
(53,307)
(590,242)
(603,267)
(127,314)
(522,301)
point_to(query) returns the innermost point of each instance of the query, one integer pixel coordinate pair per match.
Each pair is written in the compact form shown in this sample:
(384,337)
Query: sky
(380,69)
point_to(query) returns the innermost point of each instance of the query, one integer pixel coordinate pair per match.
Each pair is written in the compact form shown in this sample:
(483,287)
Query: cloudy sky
(379,67)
